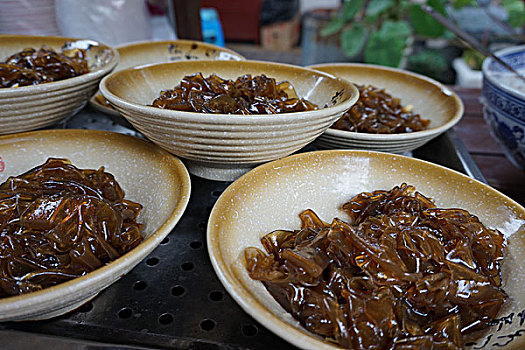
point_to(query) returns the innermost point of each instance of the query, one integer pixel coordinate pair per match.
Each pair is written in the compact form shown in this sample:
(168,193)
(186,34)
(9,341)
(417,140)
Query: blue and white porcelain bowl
(504,102)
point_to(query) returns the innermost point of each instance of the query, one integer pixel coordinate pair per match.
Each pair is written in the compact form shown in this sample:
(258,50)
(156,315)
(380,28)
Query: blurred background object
(280,24)
(110,21)
(240,19)
(211,26)
(395,33)
(398,33)
(185,17)
(35,17)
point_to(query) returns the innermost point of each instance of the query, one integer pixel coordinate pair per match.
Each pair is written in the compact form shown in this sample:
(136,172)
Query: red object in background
(240,18)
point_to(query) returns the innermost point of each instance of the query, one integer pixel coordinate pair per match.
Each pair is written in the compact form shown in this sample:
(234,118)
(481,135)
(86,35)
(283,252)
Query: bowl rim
(234,119)
(490,77)
(149,43)
(100,274)
(298,336)
(60,84)
(402,136)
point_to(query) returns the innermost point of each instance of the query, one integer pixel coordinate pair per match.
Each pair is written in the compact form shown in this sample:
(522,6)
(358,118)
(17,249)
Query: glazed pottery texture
(37,106)
(224,146)
(147,174)
(271,196)
(430,99)
(504,103)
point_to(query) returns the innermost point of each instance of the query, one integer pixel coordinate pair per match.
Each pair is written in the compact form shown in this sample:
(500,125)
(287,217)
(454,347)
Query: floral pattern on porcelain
(509,134)
(504,108)
(504,102)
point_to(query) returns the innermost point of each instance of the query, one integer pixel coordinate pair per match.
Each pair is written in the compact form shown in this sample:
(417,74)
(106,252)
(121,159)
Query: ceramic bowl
(272,195)
(504,103)
(430,99)
(223,146)
(148,52)
(36,106)
(147,174)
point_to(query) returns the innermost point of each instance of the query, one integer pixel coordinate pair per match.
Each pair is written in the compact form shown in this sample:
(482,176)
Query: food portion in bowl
(401,273)
(419,94)
(58,222)
(32,67)
(377,112)
(246,94)
(150,52)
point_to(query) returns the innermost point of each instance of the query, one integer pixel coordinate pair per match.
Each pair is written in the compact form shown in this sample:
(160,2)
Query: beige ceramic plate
(142,53)
(36,106)
(148,175)
(224,146)
(271,196)
(429,98)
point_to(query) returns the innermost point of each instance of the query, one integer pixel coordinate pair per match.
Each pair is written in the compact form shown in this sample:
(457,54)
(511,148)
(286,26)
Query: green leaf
(333,26)
(371,19)
(386,46)
(423,23)
(350,8)
(375,7)
(398,29)
(516,11)
(458,4)
(353,39)
(386,50)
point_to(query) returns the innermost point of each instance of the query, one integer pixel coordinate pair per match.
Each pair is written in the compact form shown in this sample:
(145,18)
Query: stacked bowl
(430,99)
(224,146)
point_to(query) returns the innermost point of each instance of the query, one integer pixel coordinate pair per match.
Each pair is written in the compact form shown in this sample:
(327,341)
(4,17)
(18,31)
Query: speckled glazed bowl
(430,99)
(147,174)
(149,52)
(272,195)
(504,103)
(223,146)
(36,106)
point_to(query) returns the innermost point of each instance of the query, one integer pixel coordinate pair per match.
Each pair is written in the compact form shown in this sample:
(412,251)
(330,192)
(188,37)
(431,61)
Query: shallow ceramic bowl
(36,106)
(430,99)
(504,103)
(271,196)
(147,174)
(223,146)
(149,52)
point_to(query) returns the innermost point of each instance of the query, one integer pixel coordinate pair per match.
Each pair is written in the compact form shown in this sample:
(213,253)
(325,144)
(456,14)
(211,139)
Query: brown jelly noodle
(400,274)
(245,95)
(377,112)
(58,222)
(32,67)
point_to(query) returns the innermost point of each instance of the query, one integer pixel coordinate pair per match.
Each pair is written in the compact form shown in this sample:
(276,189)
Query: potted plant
(385,31)
(498,25)
(382,30)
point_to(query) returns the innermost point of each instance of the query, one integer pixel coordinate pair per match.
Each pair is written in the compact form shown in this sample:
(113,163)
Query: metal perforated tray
(173,298)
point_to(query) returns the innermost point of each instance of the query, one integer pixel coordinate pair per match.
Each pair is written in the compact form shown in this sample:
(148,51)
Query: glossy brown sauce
(400,274)
(245,95)
(58,222)
(32,67)
(377,112)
